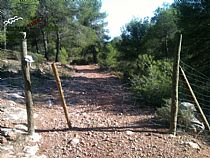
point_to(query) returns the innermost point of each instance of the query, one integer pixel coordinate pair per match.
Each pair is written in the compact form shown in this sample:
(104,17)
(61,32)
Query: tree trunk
(94,54)
(46,52)
(58,43)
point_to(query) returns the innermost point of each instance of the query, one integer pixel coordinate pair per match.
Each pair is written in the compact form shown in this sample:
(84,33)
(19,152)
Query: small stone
(129,132)
(21,127)
(148,134)
(192,145)
(16,96)
(12,103)
(3,140)
(36,115)
(5,131)
(75,141)
(172,136)
(31,150)
(12,136)
(35,137)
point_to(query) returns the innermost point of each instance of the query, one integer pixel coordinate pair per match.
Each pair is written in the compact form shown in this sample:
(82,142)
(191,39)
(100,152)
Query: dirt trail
(106,124)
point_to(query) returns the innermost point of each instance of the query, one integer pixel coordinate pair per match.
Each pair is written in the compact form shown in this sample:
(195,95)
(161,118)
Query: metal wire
(200,84)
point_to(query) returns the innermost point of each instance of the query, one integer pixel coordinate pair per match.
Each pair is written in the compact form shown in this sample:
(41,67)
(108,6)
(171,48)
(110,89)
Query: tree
(132,39)
(76,25)
(160,38)
(194,20)
(92,32)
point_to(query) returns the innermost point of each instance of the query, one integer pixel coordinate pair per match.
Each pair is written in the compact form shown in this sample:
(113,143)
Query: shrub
(108,57)
(63,56)
(184,115)
(2,36)
(151,82)
(38,58)
(164,113)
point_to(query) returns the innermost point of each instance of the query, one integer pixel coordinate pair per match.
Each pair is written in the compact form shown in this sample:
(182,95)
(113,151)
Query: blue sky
(121,12)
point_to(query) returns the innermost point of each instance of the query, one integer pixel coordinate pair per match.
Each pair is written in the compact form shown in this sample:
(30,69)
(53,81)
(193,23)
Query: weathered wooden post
(58,82)
(27,82)
(195,100)
(175,90)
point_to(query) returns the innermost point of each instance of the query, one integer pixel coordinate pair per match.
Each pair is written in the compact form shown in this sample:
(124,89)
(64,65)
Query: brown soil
(105,121)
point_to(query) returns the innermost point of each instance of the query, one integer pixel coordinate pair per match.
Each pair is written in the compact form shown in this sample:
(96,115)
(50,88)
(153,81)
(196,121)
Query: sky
(120,12)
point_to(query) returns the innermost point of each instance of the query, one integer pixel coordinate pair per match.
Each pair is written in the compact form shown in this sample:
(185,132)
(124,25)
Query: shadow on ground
(103,93)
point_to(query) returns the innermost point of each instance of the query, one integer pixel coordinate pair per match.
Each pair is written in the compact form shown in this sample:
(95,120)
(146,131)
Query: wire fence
(200,85)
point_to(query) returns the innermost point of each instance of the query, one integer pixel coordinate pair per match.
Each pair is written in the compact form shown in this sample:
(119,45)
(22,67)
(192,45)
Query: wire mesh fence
(200,85)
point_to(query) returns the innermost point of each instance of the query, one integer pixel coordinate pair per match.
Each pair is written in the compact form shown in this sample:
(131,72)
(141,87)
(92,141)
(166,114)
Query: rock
(75,141)
(172,136)
(187,106)
(3,140)
(18,114)
(36,115)
(5,131)
(16,96)
(31,150)
(21,127)
(129,132)
(192,145)
(12,136)
(195,125)
(34,137)
(12,103)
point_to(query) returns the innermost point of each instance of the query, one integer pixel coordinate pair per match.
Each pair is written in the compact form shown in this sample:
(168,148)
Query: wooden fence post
(195,100)
(175,90)
(27,82)
(61,94)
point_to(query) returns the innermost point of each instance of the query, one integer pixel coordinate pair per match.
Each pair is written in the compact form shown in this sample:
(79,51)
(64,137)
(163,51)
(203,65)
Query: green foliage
(75,25)
(143,54)
(184,115)
(162,32)
(164,112)
(193,21)
(153,82)
(2,37)
(132,39)
(109,57)
(38,58)
(63,56)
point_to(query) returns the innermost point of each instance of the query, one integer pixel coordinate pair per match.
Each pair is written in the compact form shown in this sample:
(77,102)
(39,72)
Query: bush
(2,36)
(164,113)
(151,82)
(63,56)
(108,58)
(184,115)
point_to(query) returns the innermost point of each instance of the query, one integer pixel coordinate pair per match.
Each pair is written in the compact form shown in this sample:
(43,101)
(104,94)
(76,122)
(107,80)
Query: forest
(74,31)
(68,89)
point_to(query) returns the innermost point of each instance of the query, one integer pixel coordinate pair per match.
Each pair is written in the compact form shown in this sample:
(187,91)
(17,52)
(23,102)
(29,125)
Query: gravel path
(106,124)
